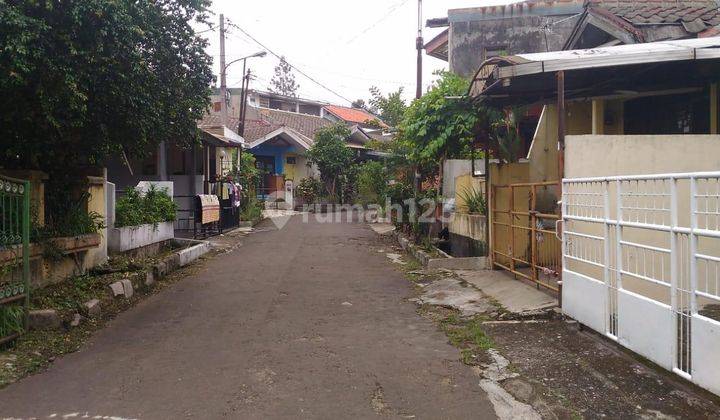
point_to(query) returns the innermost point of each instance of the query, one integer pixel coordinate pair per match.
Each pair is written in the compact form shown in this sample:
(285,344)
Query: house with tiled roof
(191,168)
(615,22)
(278,140)
(353,117)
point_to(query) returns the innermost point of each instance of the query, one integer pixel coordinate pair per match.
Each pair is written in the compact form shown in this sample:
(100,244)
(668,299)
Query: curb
(447,262)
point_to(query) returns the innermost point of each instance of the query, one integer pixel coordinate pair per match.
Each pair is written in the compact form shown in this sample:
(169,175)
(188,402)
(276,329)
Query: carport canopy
(608,72)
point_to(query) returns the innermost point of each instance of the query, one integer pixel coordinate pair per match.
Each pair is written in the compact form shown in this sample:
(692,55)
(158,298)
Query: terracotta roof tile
(351,115)
(263,121)
(660,11)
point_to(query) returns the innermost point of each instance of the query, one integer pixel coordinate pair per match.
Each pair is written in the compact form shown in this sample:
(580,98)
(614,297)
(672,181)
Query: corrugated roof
(499,73)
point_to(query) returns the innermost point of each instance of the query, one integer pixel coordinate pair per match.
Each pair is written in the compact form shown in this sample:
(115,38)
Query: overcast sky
(348,46)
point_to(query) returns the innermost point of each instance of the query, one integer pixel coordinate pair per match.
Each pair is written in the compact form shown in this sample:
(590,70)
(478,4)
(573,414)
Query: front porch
(280,157)
(187,171)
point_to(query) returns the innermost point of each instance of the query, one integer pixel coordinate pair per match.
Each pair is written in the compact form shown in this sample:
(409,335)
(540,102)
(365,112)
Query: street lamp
(223,87)
(257,54)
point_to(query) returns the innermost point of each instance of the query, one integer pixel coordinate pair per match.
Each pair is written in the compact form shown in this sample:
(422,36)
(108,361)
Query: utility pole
(419,44)
(223,76)
(418,94)
(243,105)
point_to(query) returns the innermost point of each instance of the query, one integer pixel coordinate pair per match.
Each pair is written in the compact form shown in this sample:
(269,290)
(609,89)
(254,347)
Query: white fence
(641,264)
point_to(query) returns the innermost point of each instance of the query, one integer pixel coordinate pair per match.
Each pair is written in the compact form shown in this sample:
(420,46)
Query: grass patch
(467,335)
(412,264)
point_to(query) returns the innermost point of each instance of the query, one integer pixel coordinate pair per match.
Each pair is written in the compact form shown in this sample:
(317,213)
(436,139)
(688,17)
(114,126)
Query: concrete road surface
(309,321)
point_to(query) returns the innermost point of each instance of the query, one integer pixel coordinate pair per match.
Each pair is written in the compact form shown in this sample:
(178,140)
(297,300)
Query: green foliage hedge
(134,209)
(372,183)
(310,189)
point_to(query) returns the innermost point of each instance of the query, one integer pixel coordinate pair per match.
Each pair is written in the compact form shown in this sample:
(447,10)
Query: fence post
(693,244)
(618,236)
(563,237)
(26,248)
(606,252)
(674,272)
(533,238)
(512,229)
(490,235)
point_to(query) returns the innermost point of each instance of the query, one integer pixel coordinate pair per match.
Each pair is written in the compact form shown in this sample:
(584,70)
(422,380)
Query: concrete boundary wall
(133,237)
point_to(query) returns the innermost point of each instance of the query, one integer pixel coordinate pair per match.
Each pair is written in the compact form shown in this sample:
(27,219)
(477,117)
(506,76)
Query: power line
(321,70)
(390,11)
(290,64)
(212,28)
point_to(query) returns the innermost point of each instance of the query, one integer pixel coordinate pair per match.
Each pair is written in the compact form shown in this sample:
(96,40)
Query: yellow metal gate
(523,231)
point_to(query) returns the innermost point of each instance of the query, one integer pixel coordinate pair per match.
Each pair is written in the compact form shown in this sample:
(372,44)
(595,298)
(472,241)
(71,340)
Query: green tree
(372,183)
(283,82)
(247,174)
(438,125)
(390,108)
(442,124)
(359,104)
(85,80)
(332,157)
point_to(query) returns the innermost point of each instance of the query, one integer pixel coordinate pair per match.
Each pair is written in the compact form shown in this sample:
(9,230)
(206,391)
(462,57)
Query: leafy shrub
(372,183)
(475,202)
(69,218)
(247,174)
(11,320)
(309,189)
(252,210)
(159,206)
(332,157)
(347,186)
(399,193)
(134,209)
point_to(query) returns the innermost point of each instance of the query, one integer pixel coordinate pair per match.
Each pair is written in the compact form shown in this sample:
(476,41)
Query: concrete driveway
(309,321)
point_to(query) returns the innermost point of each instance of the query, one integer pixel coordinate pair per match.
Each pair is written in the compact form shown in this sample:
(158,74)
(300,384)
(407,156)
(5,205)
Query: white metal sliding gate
(641,264)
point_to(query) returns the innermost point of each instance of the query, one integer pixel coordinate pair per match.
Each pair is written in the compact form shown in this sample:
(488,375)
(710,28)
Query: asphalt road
(309,321)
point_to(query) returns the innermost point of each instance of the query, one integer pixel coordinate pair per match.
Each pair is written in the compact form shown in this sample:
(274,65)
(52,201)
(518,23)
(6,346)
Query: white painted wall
(133,237)
(706,353)
(646,327)
(584,299)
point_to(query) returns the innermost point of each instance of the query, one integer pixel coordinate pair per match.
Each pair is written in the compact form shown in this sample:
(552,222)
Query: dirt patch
(588,375)
(560,372)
